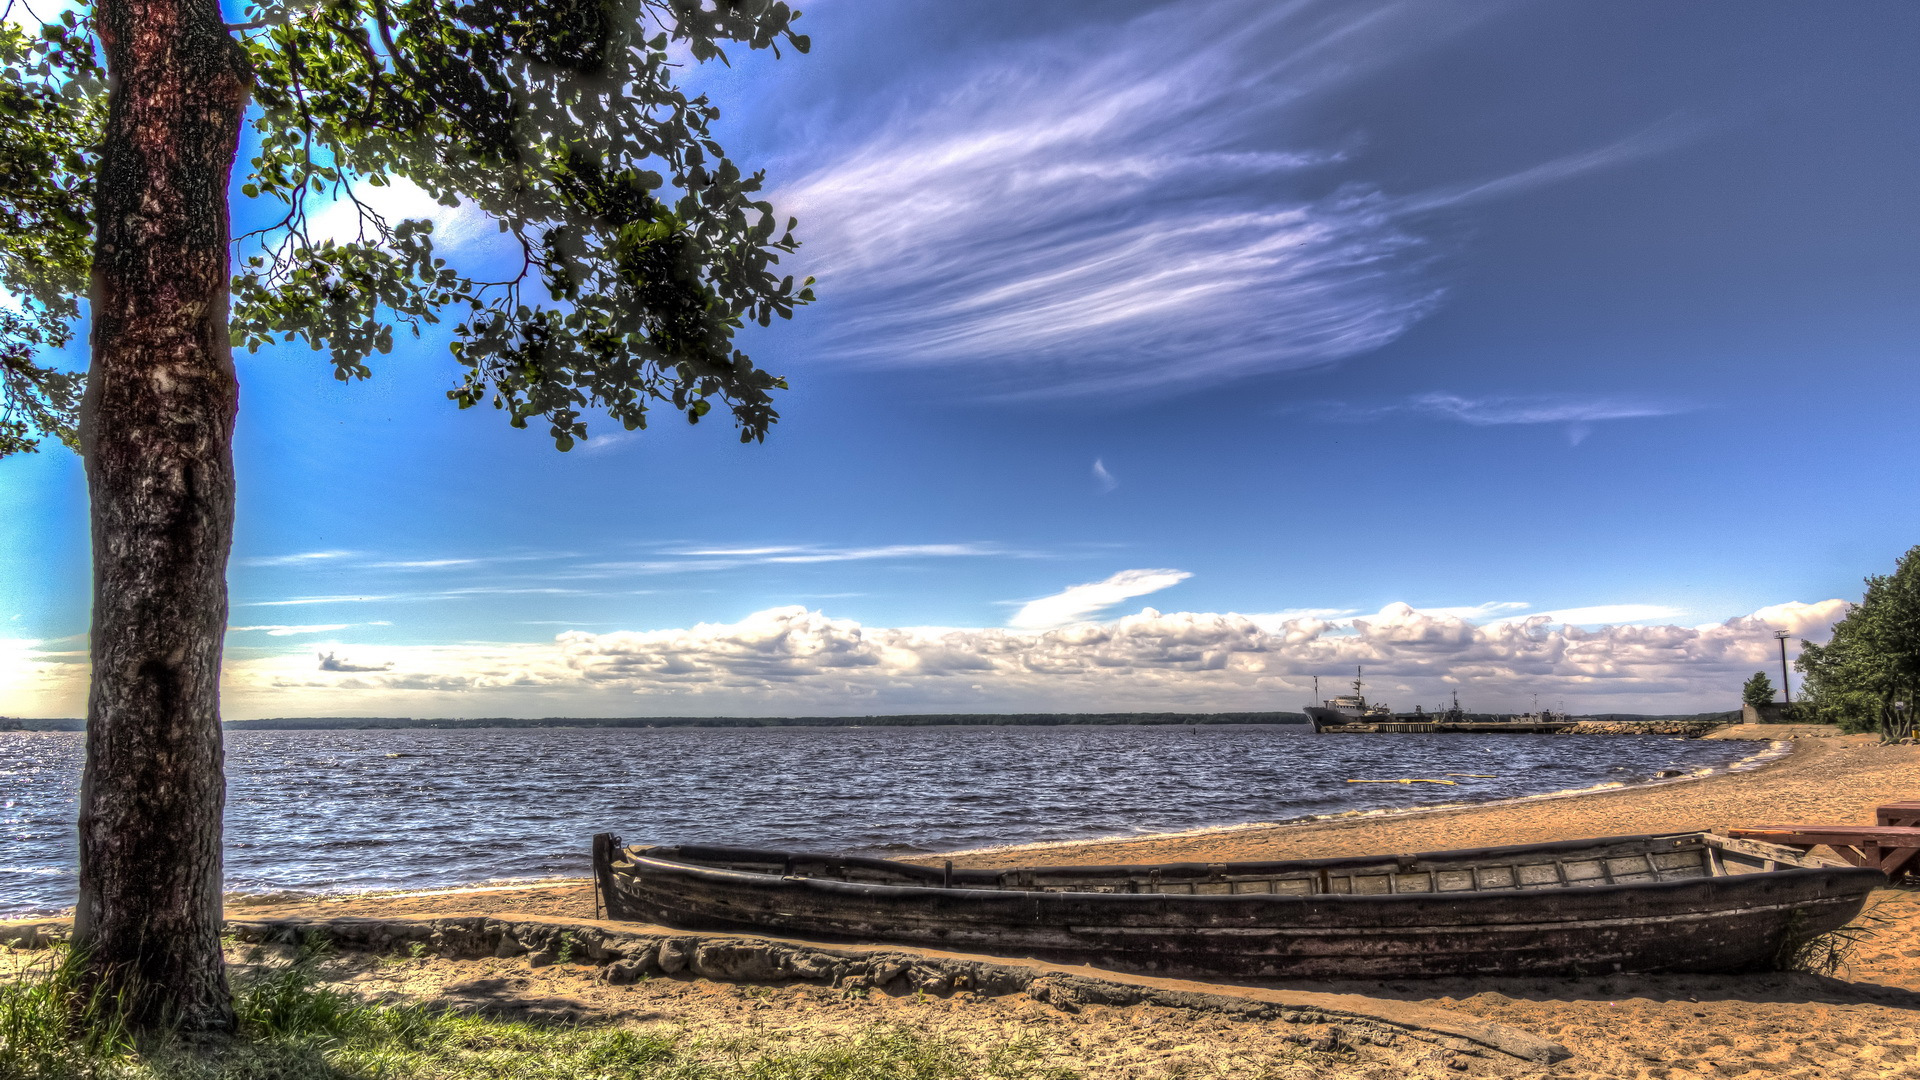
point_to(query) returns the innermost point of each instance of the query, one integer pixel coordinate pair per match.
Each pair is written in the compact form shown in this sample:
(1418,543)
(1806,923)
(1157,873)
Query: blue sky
(1261,317)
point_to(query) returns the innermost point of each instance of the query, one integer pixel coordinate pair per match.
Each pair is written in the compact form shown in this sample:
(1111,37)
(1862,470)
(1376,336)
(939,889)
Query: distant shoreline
(1156,719)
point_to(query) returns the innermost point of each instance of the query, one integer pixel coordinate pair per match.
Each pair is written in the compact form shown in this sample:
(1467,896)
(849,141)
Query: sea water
(358,810)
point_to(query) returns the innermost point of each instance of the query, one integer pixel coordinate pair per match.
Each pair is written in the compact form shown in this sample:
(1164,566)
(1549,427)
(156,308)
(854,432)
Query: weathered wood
(1891,849)
(1638,903)
(1900,813)
(1805,835)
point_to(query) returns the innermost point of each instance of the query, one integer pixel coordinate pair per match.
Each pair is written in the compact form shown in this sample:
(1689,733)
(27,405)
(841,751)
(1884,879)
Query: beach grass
(291,1027)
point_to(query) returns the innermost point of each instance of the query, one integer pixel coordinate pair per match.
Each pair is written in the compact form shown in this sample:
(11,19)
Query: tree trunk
(157,433)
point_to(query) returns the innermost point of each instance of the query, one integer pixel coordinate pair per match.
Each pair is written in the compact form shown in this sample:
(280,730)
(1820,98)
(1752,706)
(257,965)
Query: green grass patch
(291,1027)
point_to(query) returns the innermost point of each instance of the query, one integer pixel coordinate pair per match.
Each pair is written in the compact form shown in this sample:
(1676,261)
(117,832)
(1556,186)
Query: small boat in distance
(1695,902)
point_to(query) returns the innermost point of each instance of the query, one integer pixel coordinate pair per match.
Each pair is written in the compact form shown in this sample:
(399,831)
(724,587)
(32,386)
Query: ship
(1354,713)
(1347,708)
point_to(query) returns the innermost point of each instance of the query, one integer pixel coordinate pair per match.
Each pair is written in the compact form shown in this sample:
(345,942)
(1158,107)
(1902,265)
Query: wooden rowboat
(1679,902)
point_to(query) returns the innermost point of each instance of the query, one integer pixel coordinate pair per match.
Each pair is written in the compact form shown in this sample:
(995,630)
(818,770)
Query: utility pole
(1786,688)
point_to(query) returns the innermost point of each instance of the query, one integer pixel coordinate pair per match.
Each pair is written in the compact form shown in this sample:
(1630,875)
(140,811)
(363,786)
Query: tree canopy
(1868,676)
(1758,690)
(52,103)
(639,247)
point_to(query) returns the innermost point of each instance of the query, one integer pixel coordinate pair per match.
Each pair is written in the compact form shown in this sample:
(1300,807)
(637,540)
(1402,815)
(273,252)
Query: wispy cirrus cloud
(423,564)
(1117,208)
(284,630)
(298,558)
(1578,413)
(1603,615)
(722,557)
(570,573)
(304,601)
(1077,603)
(1502,409)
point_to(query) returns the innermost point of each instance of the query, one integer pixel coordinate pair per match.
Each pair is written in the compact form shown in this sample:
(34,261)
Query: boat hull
(1697,924)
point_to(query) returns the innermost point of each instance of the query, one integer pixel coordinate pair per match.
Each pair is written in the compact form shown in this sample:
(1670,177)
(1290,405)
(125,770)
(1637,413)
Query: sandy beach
(1862,1022)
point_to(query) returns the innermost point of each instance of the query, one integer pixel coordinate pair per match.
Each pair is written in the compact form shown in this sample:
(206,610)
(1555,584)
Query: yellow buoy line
(1405,780)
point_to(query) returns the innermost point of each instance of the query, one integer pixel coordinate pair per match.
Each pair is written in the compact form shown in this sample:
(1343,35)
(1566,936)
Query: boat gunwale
(1793,871)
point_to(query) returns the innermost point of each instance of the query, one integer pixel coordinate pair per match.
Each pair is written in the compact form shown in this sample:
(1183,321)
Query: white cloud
(1080,601)
(300,558)
(331,662)
(1578,412)
(423,564)
(39,679)
(454,227)
(288,631)
(1488,411)
(1602,614)
(31,16)
(1474,613)
(1101,212)
(793,661)
(728,558)
(301,601)
(1102,477)
(1810,621)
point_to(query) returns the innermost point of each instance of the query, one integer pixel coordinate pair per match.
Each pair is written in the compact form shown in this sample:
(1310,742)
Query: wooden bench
(1900,813)
(1891,849)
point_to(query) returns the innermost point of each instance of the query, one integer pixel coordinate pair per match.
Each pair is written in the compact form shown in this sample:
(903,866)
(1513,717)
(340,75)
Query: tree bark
(157,432)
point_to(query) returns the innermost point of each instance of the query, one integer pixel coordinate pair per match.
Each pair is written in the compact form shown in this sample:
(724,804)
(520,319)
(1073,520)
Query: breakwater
(1681,729)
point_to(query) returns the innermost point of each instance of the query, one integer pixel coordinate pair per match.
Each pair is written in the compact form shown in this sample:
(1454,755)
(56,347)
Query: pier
(1460,727)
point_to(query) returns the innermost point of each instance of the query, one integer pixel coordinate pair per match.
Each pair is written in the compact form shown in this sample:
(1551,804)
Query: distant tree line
(1867,678)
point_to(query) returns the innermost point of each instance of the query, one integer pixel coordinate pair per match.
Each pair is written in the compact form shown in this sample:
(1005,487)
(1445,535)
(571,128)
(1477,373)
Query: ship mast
(1358,691)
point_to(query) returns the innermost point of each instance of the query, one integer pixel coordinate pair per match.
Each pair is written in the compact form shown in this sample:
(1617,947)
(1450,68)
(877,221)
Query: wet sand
(1863,1022)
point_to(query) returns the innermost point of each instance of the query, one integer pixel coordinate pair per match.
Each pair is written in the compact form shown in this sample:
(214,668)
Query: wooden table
(1890,849)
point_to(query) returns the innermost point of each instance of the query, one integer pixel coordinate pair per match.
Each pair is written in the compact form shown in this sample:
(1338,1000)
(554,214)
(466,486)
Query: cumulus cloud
(330,662)
(792,660)
(1080,601)
(344,221)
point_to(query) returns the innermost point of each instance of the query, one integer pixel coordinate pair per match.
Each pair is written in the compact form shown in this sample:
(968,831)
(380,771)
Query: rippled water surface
(353,810)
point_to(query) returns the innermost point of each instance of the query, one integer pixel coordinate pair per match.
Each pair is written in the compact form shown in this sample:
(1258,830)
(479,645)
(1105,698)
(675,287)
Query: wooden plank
(1805,835)
(1900,813)
(1891,849)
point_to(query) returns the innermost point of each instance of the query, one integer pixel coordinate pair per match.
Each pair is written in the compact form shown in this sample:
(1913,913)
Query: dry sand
(1865,1022)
